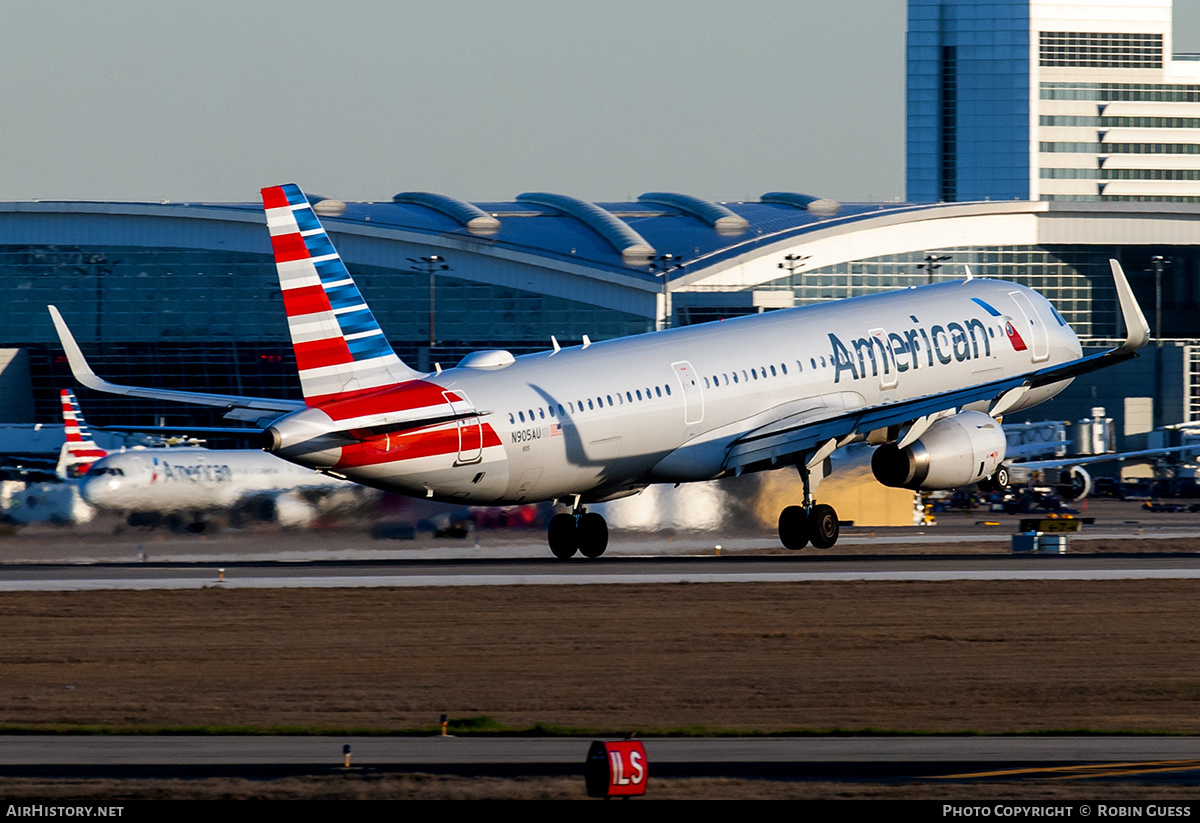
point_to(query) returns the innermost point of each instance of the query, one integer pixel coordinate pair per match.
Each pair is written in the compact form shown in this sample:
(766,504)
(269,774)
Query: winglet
(1137,330)
(86,377)
(79,366)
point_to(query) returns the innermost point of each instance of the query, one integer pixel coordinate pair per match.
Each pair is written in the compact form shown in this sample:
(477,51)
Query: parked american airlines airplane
(187,482)
(923,373)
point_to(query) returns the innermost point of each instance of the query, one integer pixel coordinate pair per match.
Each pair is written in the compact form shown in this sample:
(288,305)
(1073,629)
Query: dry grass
(937,657)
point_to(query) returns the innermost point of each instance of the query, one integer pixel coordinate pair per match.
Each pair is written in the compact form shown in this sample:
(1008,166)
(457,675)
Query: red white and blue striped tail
(79,451)
(339,346)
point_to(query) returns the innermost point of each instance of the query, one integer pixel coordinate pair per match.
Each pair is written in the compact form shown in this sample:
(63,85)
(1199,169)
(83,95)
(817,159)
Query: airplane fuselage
(192,479)
(605,420)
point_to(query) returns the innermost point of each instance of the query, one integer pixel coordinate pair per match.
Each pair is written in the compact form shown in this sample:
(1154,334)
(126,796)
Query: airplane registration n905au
(922,373)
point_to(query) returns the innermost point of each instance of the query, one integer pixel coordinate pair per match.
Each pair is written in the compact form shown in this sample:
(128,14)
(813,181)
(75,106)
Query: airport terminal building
(185,294)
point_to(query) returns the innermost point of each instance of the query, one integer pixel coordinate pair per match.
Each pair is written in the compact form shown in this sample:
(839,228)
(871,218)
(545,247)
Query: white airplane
(922,373)
(184,483)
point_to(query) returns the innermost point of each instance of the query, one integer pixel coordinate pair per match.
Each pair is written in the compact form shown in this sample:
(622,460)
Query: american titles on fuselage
(954,342)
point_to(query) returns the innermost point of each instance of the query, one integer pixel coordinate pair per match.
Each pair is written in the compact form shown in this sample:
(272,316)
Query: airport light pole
(794,262)
(1157,264)
(932,262)
(430,264)
(665,264)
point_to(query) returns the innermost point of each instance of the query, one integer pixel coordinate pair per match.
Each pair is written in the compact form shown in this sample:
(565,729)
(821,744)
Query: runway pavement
(615,570)
(1176,759)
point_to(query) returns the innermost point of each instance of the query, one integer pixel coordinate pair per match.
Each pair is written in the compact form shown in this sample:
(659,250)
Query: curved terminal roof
(633,247)
(537,249)
(474,218)
(714,214)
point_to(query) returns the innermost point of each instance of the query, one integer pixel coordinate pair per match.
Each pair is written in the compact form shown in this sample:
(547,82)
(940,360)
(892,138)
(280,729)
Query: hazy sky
(480,100)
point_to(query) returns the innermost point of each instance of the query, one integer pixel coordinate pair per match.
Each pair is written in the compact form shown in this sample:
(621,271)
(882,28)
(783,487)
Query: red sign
(616,769)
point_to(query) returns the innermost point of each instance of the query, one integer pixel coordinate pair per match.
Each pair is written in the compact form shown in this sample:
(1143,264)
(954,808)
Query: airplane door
(1037,329)
(470,429)
(887,369)
(693,395)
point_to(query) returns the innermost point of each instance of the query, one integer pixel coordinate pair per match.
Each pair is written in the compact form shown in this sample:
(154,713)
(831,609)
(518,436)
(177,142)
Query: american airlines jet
(922,373)
(184,483)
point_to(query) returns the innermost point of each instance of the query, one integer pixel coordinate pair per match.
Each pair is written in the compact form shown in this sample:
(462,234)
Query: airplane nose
(94,489)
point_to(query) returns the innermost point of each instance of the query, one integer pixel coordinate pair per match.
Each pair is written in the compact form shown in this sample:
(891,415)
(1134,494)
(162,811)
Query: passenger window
(542,413)
(609,396)
(706,383)
(813,361)
(522,414)
(590,406)
(560,410)
(754,372)
(735,377)
(511,419)
(772,371)
(552,412)
(658,391)
(639,394)
(629,397)
(668,388)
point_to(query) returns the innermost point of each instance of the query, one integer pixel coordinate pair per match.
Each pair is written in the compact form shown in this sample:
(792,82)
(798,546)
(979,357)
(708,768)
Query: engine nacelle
(1074,484)
(955,451)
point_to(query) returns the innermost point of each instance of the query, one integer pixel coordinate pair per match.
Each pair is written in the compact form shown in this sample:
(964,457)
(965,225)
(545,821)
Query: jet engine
(955,451)
(1073,484)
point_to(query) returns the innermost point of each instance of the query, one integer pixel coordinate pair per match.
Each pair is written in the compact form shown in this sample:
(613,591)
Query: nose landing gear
(581,530)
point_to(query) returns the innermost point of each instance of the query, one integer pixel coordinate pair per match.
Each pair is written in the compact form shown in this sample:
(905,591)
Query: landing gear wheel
(823,526)
(793,528)
(1000,478)
(986,486)
(592,535)
(562,536)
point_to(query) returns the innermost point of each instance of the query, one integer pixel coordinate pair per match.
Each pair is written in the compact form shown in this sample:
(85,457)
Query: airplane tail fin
(340,348)
(79,451)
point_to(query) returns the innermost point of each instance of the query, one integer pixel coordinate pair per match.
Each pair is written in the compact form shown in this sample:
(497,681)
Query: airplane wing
(1063,462)
(813,435)
(258,410)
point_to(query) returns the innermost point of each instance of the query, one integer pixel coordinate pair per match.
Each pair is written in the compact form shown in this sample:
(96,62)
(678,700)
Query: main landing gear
(799,526)
(581,530)
(810,523)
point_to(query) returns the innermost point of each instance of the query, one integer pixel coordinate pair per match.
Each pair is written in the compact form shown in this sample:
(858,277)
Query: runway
(606,571)
(1171,759)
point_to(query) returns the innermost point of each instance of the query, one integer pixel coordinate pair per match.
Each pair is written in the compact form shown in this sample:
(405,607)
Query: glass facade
(1079,283)
(968,100)
(974,133)
(212,321)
